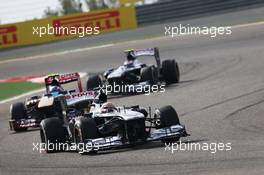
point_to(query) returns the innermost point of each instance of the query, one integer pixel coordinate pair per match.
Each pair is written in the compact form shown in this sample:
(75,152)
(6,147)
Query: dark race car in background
(137,74)
(33,110)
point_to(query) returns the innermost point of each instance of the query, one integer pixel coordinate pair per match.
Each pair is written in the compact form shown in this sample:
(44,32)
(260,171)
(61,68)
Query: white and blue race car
(110,127)
(137,74)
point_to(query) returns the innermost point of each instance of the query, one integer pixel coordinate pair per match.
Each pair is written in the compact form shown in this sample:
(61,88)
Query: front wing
(23,123)
(113,142)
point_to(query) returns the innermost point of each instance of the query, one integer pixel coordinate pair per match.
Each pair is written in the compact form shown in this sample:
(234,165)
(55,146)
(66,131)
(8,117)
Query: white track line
(248,24)
(54,54)
(103,46)
(21,96)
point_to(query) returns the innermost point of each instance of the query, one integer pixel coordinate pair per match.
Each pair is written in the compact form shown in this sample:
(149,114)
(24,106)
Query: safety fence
(173,9)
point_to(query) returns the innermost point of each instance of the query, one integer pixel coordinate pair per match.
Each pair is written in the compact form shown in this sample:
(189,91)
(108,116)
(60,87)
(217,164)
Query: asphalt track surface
(220,99)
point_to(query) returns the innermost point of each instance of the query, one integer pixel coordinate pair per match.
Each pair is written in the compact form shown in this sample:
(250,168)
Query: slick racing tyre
(18,112)
(52,134)
(168,117)
(170,71)
(149,74)
(85,129)
(93,82)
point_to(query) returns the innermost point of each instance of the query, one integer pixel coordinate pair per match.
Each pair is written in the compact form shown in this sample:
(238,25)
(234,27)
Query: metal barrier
(173,9)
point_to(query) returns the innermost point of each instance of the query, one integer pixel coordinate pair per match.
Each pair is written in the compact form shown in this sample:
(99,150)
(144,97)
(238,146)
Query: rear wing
(146,52)
(64,79)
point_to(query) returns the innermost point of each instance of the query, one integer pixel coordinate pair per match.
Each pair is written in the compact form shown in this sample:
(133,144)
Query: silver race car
(134,75)
(109,127)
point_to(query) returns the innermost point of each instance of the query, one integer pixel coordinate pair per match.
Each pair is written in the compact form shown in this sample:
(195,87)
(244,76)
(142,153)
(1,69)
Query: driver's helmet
(108,107)
(130,56)
(56,90)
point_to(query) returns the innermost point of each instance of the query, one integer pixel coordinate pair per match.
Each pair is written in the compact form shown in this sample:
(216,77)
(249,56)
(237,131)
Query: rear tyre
(18,112)
(52,134)
(170,71)
(168,117)
(93,82)
(85,129)
(149,74)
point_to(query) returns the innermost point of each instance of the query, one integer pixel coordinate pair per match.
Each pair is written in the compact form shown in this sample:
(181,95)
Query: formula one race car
(33,110)
(110,127)
(136,74)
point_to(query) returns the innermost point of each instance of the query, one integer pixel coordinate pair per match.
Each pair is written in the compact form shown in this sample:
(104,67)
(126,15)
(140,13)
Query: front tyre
(85,129)
(52,134)
(168,117)
(18,112)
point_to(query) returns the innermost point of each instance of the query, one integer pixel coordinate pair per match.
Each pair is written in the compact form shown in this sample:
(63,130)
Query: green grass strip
(8,90)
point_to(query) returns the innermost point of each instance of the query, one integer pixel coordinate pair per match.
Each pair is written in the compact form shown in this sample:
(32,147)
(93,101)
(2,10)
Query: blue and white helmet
(56,90)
